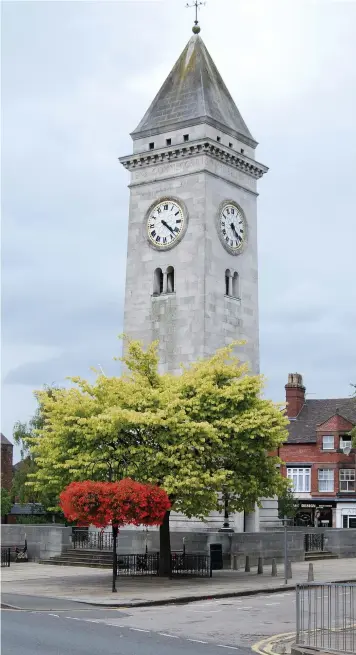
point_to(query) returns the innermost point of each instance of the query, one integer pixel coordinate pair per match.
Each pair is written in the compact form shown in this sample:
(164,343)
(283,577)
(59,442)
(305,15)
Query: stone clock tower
(192,270)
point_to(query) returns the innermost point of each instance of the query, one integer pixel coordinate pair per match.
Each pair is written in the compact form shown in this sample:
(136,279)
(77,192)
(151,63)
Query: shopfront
(317,514)
(346,515)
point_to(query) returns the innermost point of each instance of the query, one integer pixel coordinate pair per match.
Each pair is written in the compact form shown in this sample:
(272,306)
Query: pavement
(93,586)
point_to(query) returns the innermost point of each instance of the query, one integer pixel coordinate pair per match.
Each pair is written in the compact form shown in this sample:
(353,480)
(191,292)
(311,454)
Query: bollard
(260,566)
(289,570)
(274,568)
(247,564)
(234,562)
(310,572)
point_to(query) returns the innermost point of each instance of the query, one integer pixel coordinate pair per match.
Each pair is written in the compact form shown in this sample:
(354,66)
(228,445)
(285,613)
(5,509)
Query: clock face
(232,227)
(165,224)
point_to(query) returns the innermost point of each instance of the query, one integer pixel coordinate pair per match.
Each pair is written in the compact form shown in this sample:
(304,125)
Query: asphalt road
(44,633)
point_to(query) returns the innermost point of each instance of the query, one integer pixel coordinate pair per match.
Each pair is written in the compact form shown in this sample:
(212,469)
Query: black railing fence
(91,540)
(5,556)
(191,564)
(145,564)
(314,542)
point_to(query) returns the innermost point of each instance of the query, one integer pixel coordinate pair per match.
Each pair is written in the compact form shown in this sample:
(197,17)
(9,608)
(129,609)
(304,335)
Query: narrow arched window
(227,282)
(157,282)
(170,279)
(235,285)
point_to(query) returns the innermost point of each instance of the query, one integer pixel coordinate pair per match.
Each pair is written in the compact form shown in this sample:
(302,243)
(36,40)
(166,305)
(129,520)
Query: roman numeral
(159,210)
(223,223)
(176,214)
(158,239)
(231,243)
(224,231)
(228,210)
(227,239)
(153,234)
(152,226)
(165,207)
(179,220)
(176,229)
(232,210)
(164,239)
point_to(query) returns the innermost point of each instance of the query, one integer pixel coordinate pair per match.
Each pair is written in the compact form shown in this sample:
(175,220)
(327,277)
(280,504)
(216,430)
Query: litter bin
(216,557)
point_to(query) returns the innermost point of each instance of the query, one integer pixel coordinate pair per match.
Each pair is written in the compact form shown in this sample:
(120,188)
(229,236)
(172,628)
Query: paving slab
(93,586)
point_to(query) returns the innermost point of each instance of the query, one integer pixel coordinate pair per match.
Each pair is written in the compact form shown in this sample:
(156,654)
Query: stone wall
(341,542)
(43,541)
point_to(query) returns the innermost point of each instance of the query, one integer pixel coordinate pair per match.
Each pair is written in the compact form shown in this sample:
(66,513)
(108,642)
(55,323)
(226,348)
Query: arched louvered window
(170,279)
(235,285)
(158,282)
(227,282)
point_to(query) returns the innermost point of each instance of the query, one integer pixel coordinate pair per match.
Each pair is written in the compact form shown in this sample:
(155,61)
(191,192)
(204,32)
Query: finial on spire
(196,5)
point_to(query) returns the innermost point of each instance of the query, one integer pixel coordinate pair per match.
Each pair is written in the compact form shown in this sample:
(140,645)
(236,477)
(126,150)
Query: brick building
(319,457)
(6,463)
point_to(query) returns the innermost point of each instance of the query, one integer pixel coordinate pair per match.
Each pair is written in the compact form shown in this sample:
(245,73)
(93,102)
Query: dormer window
(185,137)
(168,142)
(218,138)
(151,145)
(328,443)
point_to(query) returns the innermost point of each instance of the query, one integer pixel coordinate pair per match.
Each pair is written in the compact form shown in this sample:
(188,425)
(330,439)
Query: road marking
(223,646)
(197,641)
(272,604)
(164,634)
(139,630)
(246,608)
(49,614)
(262,647)
(73,618)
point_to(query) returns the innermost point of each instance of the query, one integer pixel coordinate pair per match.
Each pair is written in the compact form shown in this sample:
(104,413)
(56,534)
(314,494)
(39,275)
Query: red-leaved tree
(116,504)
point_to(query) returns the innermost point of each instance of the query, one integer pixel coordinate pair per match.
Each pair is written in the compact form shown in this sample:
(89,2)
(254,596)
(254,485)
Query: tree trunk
(114,557)
(165,568)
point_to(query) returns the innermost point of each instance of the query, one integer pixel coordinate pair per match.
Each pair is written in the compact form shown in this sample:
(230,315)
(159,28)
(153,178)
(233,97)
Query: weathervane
(196,4)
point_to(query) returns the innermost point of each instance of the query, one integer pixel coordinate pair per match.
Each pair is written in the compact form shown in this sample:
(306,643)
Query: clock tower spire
(192,270)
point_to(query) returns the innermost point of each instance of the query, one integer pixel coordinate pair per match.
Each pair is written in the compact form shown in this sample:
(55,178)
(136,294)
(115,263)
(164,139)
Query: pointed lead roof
(194,92)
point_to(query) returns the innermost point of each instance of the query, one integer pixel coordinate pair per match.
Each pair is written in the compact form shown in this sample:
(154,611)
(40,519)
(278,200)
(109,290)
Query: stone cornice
(207,146)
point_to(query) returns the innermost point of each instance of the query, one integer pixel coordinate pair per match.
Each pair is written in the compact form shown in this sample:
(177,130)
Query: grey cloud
(77,78)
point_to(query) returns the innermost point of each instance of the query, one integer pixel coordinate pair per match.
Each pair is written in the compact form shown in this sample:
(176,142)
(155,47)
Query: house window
(326,480)
(242,151)
(218,138)
(345,442)
(168,142)
(185,137)
(231,145)
(347,480)
(170,279)
(151,145)
(158,282)
(328,443)
(300,479)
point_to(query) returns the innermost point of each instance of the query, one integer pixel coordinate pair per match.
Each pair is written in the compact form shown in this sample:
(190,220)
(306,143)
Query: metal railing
(145,564)
(5,556)
(326,617)
(314,542)
(182,564)
(191,564)
(92,540)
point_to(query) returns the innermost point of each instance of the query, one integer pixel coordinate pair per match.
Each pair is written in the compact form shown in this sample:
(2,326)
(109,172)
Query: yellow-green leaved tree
(204,432)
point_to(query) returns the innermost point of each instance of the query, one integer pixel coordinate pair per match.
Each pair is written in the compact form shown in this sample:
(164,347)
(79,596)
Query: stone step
(65,562)
(313,555)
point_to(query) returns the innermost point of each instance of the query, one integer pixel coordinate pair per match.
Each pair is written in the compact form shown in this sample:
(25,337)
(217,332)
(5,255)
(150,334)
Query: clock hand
(234,231)
(167,226)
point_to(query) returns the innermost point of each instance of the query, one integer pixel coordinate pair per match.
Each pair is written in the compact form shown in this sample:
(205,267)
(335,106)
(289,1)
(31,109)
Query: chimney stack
(295,394)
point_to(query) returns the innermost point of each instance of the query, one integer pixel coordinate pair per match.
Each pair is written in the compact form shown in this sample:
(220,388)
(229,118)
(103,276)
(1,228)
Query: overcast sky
(76,79)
